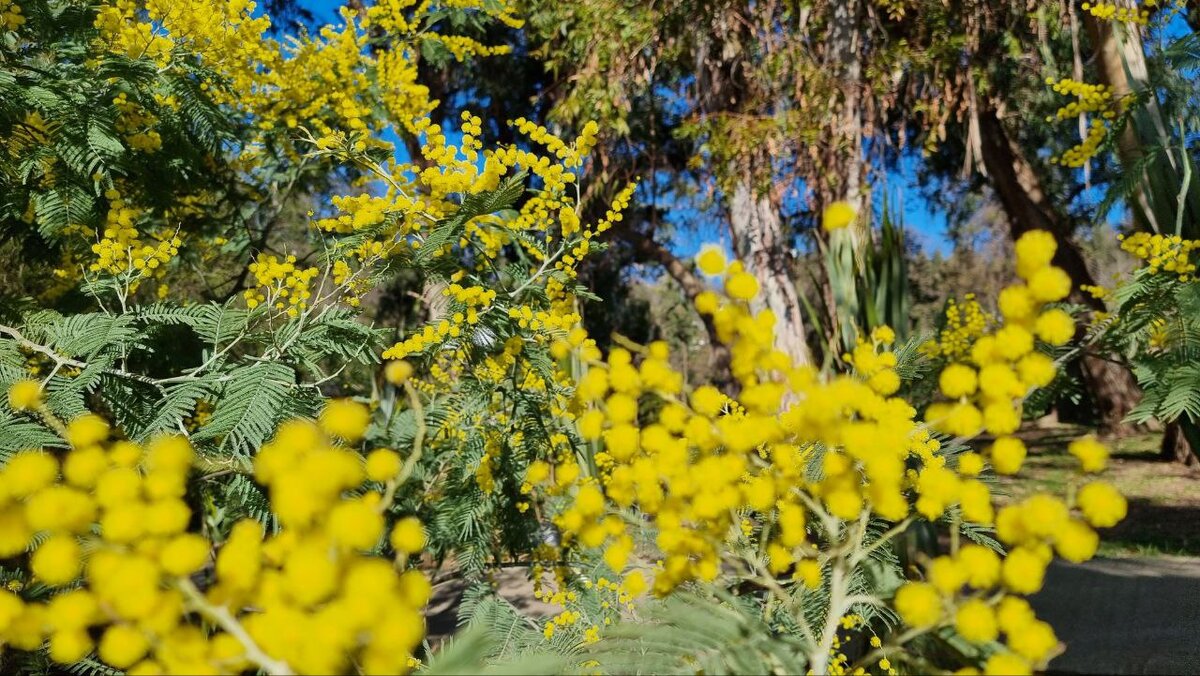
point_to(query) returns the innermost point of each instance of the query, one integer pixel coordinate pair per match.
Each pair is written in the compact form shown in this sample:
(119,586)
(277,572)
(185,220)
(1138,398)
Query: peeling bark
(1122,63)
(764,247)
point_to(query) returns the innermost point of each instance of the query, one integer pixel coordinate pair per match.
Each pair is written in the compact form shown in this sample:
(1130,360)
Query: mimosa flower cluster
(1167,253)
(777,485)
(549,215)
(358,75)
(1120,12)
(1090,99)
(108,528)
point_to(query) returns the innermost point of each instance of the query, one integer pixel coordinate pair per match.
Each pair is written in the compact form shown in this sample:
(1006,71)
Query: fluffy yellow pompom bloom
(1016,303)
(1102,505)
(1055,327)
(947,575)
(960,419)
(742,286)
(707,302)
(170,453)
(166,517)
(30,471)
(59,508)
(970,464)
(1006,664)
(634,583)
(958,380)
(310,574)
(539,471)
(623,377)
(885,382)
(58,560)
(1008,453)
(616,555)
(982,565)
(408,535)
(1033,642)
(711,260)
(11,608)
(707,400)
(87,430)
(1050,284)
(84,466)
(837,216)
(1023,571)
(25,395)
(591,425)
(397,371)
(622,441)
(125,454)
(918,604)
(976,621)
(808,571)
(69,645)
(1076,542)
(1093,456)
(184,554)
(383,464)
(1014,614)
(1013,342)
(1043,515)
(1036,370)
(883,334)
(791,524)
(356,524)
(239,561)
(1001,418)
(124,522)
(976,501)
(622,408)
(1034,250)
(559,349)
(123,645)
(779,558)
(345,418)
(118,486)
(592,386)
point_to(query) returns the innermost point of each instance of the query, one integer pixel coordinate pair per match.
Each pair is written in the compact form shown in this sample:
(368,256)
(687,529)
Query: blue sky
(924,222)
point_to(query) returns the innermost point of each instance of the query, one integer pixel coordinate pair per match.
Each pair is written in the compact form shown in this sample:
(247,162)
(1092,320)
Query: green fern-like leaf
(248,407)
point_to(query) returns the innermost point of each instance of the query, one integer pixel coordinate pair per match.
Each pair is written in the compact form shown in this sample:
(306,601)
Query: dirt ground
(1164,497)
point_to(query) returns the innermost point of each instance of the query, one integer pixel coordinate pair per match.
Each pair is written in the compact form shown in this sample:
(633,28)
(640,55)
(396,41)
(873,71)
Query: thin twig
(224,619)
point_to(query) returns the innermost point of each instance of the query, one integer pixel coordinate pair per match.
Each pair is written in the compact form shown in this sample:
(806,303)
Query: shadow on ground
(1155,527)
(1124,616)
(512,584)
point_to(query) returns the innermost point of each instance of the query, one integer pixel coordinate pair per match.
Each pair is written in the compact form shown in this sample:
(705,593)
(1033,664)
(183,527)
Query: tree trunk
(1176,447)
(1020,192)
(1156,203)
(1120,58)
(845,58)
(760,241)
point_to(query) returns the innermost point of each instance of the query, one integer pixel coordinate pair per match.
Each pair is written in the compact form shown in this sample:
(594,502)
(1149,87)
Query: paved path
(1125,616)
